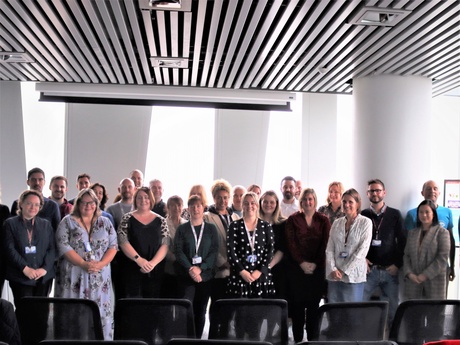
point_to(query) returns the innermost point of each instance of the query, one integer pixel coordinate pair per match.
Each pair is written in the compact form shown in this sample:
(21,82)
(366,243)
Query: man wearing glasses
(386,251)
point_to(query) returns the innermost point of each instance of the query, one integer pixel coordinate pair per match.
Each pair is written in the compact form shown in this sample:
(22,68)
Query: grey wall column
(240,144)
(13,174)
(393,136)
(105,141)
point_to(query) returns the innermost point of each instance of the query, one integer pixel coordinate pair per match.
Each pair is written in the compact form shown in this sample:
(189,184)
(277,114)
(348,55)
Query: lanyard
(197,240)
(251,239)
(226,219)
(29,223)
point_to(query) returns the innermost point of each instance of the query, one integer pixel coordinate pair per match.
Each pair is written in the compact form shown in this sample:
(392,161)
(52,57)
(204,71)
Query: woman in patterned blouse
(333,209)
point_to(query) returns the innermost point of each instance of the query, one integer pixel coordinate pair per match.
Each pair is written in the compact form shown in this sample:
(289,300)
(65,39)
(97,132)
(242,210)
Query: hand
(451,273)
(148,267)
(422,278)
(413,277)
(369,266)
(40,273)
(247,277)
(336,275)
(392,270)
(95,266)
(195,274)
(29,273)
(141,262)
(256,274)
(308,267)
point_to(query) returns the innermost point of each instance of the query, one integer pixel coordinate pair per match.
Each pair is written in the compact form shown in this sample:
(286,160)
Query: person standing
(58,188)
(385,256)
(307,234)
(237,199)
(87,243)
(29,249)
(430,191)
(195,246)
(349,241)
(156,186)
(426,255)
(289,204)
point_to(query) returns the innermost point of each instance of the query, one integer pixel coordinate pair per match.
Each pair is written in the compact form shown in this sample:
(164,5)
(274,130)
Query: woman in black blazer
(30,249)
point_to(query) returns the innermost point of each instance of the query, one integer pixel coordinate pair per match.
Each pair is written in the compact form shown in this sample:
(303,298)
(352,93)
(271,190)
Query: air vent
(13,57)
(378,16)
(166,5)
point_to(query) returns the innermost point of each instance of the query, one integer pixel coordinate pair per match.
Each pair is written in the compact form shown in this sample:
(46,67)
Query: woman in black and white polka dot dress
(250,246)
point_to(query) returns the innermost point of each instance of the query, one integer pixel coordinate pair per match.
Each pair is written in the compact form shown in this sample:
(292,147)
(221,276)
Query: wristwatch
(136,257)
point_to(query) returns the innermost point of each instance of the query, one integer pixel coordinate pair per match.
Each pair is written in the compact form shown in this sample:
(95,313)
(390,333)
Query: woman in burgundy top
(307,233)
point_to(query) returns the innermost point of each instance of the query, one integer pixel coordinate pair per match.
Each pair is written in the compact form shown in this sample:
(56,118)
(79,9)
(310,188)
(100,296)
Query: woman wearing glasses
(87,243)
(30,251)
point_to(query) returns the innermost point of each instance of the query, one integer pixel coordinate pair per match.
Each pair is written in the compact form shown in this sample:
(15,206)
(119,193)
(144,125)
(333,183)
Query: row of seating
(157,321)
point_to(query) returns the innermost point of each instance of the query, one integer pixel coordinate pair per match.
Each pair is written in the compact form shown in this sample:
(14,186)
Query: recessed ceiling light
(12,57)
(169,62)
(166,5)
(377,16)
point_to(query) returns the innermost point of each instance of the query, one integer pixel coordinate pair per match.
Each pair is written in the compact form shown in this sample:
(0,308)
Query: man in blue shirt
(430,191)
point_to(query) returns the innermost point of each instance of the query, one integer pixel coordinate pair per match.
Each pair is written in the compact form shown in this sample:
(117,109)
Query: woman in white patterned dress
(87,243)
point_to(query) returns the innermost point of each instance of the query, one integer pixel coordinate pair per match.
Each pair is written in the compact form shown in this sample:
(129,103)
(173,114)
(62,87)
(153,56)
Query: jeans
(345,292)
(388,284)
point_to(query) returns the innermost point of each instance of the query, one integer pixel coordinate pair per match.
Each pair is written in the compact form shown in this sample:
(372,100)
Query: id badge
(343,255)
(31,250)
(88,247)
(252,258)
(196,260)
(376,243)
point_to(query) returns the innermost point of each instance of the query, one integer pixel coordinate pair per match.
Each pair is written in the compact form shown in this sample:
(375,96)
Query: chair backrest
(153,320)
(353,321)
(9,329)
(47,318)
(182,341)
(252,319)
(349,342)
(421,321)
(92,342)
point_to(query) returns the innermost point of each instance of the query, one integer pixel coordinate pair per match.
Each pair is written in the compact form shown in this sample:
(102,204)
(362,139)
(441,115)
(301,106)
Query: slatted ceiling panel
(231,53)
(265,44)
(58,40)
(269,39)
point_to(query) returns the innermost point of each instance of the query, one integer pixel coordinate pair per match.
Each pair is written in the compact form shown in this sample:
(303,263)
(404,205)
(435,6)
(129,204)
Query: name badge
(88,246)
(376,243)
(31,250)
(252,258)
(196,260)
(343,255)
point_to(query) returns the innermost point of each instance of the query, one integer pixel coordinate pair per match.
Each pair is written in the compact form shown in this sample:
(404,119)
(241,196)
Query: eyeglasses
(372,191)
(89,203)
(29,204)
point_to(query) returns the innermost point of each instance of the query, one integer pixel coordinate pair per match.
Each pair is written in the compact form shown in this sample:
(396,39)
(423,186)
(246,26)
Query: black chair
(92,342)
(182,341)
(46,318)
(420,321)
(9,329)
(153,320)
(250,319)
(349,342)
(353,321)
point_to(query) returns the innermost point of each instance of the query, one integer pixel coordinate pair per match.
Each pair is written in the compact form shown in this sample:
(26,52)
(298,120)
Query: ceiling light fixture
(15,57)
(166,5)
(376,16)
(169,62)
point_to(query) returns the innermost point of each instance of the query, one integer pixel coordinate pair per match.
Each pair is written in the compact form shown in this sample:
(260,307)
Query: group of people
(247,244)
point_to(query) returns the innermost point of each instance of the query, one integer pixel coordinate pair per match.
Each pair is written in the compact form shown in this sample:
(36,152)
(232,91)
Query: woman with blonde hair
(333,207)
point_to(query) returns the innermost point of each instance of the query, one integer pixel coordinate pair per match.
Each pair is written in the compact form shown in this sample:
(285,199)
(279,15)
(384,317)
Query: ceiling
(298,46)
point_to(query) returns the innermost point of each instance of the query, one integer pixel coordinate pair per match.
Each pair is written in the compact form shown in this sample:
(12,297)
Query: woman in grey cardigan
(425,256)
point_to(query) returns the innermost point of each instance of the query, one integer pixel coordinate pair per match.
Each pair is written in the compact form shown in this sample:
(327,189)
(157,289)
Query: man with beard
(386,251)
(289,203)
(58,188)
(430,191)
(50,209)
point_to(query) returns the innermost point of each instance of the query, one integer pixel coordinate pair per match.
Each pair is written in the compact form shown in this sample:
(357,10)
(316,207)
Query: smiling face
(30,206)
(237,200)
(288,189)
(425,215)
(430,191)
(349,206)
(83,182)
(221,200)
(196,211)
(58,189)
(334,194)
(268,205)
(143,201)
(308,203)
(375,193)
(99,192)
(87,206)
(250,207)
